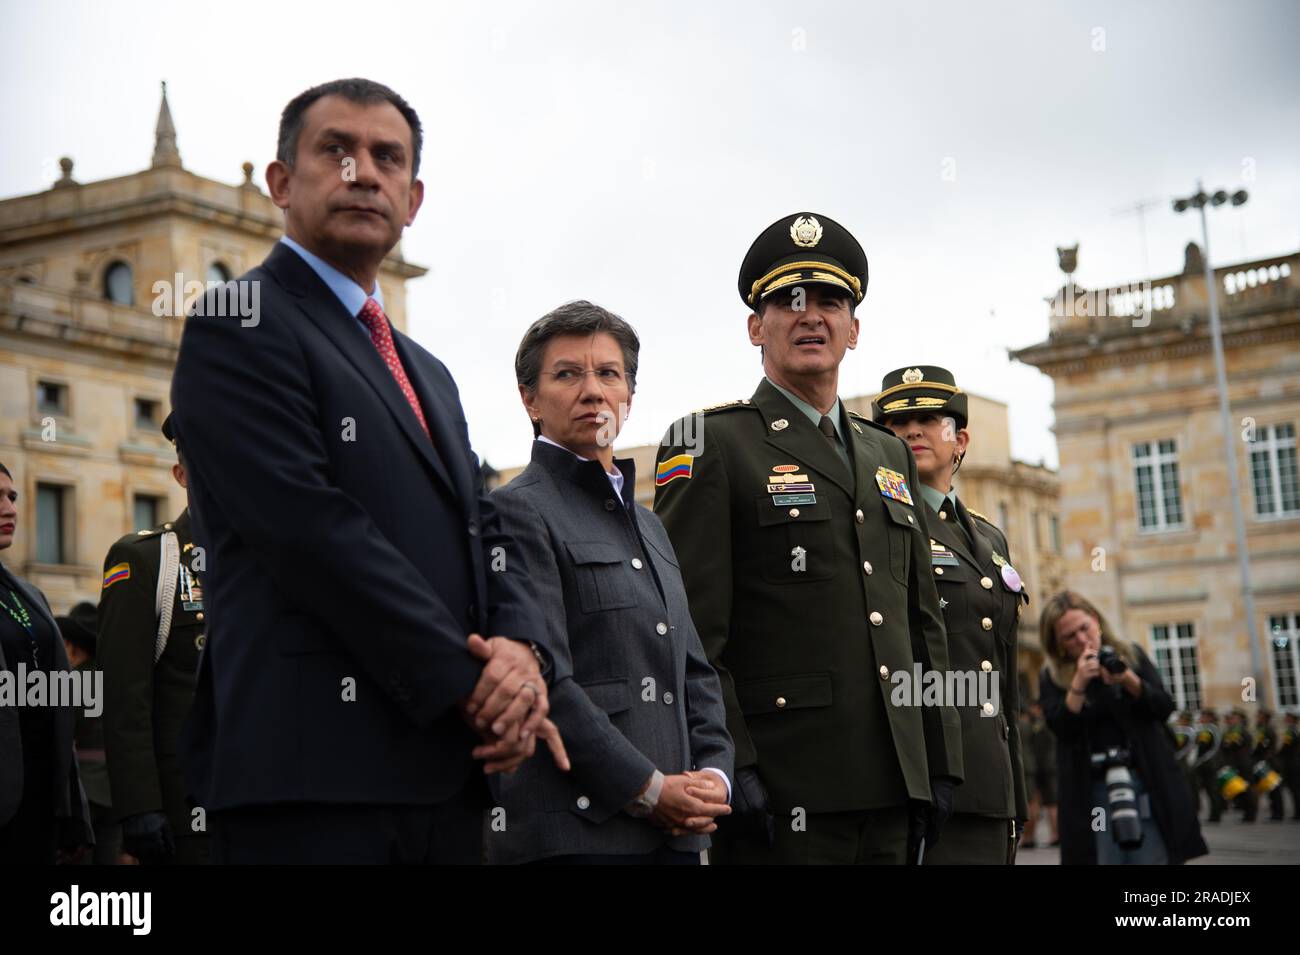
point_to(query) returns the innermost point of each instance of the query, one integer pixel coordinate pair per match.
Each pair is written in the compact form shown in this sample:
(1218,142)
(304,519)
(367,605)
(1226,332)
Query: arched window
(119,284)
(217,272)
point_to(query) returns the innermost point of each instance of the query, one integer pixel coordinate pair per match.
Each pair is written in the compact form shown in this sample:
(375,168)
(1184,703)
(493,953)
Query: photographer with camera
(1103,699)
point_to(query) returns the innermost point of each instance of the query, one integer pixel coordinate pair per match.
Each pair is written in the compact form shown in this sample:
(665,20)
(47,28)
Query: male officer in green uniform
(150,634)
(806,560)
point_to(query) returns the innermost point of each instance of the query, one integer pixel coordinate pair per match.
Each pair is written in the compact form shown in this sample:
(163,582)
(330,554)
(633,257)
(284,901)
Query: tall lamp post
(1199,201)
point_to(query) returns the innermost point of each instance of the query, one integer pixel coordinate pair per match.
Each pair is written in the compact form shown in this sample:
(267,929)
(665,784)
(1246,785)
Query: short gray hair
(573,318)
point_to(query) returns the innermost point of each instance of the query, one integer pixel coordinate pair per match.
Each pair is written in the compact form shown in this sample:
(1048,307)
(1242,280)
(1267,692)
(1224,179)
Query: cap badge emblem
(806,232)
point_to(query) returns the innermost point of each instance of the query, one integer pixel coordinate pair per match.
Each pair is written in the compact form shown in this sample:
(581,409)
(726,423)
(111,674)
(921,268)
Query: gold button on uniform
(943,515)
(858,517)
(939,571)
(584,802)
(780,702)
(866,567)
(986,623)
(988,709)
(199,615)
(986,583)
(884,672)
(794,512)
(986,666)
(876,618)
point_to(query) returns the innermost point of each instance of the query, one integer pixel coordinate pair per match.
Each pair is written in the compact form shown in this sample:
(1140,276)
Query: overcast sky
(630,152)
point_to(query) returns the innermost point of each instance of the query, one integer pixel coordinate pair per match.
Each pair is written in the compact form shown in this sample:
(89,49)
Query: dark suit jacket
(808,611)
(70,808)
(638,700)
(346,557)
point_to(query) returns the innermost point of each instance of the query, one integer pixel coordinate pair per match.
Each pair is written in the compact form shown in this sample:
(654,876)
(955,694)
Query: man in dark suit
(347,536)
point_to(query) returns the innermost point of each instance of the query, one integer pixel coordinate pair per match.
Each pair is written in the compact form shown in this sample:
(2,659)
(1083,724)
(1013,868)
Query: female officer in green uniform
(981,596)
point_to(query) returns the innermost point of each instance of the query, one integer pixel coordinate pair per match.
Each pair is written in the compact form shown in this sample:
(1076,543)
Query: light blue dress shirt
(352,295)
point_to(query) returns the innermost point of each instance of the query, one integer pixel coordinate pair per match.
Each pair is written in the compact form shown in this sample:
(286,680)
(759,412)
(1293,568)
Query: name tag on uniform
(942,556)
(892,485)
(785,500)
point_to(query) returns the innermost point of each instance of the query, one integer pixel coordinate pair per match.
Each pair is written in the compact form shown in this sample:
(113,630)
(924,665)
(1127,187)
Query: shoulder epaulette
(738,403)
(974,513)
(144,534)
(875,424)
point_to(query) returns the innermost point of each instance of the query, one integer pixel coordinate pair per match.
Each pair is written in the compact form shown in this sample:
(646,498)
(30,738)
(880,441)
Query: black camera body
(1111,661)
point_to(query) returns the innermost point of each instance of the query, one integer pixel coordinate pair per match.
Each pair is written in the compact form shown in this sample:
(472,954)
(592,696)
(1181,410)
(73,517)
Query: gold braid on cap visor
(919,386)
(851,281)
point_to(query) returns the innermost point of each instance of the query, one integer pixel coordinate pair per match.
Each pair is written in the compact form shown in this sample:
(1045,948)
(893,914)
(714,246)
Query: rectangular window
(1034,518)
(146,414)
(1054,523)
(146,511)
(1284,638)
(52,523)
(51,398)
(1273,471)
(1175,651)
(1159,497)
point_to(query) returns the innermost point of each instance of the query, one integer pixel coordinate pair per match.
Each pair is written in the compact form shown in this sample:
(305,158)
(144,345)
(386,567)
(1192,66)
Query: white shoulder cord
(169,564)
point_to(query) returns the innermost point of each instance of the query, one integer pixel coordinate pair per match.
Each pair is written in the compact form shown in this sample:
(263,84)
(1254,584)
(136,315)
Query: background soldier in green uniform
(1209,760)
(1265,745)
(806,560)
(1288,760)
(1184,737)
(982,597)
(1236,749)
(151,585)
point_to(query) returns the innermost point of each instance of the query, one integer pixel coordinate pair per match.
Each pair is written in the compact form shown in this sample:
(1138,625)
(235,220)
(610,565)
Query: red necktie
(381,333)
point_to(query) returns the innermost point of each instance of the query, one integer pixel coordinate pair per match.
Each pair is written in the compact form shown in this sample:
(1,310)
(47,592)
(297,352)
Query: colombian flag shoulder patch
(678,466)
(115,573)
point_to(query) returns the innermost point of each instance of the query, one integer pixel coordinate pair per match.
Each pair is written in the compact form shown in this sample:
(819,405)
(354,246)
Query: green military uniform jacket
(982,616)
(808,610)
(1236,749)
(146,703)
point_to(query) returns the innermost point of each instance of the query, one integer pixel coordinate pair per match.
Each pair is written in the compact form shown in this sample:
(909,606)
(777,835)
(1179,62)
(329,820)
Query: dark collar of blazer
(327,313)
(801,440)
(564,465)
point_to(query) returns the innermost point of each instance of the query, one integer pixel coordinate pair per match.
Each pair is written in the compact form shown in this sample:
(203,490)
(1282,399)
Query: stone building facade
(1146,515)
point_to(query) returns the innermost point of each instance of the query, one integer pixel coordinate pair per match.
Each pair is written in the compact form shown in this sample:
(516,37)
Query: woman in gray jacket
(638,704)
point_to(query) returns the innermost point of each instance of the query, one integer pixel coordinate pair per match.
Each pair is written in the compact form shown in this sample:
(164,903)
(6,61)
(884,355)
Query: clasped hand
(690,802)
(508,708)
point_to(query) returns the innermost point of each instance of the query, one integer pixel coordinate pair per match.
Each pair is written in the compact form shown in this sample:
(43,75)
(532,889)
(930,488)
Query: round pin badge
(1011,579)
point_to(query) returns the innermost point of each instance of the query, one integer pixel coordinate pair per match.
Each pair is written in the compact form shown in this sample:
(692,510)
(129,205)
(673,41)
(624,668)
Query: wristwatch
(543,660)
(644,804)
